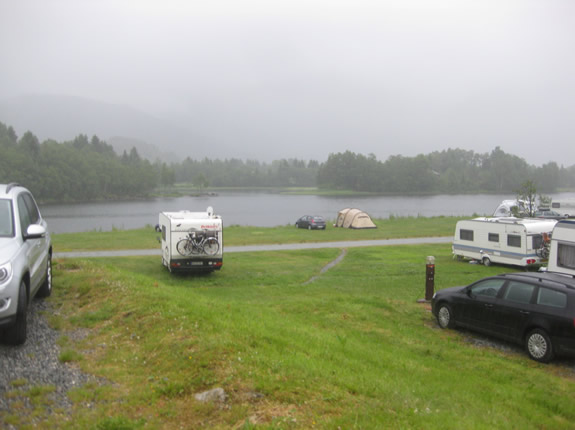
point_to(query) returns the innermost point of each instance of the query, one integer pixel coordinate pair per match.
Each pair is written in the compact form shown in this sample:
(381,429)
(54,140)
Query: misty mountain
(62,118)
(145,150)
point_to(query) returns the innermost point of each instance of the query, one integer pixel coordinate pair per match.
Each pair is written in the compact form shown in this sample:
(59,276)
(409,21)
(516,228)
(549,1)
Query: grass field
(293,348)
(147,238)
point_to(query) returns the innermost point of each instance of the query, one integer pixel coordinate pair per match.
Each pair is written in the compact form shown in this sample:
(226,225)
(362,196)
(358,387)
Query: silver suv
(25,260)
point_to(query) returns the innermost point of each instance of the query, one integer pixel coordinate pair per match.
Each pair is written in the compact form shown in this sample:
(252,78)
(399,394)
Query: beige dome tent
(354,218)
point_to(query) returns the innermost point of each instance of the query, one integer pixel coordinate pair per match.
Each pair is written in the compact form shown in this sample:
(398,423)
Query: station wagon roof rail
(545,278)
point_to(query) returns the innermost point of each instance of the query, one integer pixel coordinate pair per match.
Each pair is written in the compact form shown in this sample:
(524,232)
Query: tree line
(89,169)
(450,171)
(80,170)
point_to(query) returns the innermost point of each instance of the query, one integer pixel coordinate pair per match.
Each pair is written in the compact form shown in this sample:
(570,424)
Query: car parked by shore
(25,260)
(311,222)
(549,214)
(534,309)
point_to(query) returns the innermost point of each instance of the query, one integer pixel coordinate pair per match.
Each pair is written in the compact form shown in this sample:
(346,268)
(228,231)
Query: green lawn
(147,238)
(292,347)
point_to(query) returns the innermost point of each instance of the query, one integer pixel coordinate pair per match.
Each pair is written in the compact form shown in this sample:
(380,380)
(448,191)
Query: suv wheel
(539,346)
(46,288)
(16,335)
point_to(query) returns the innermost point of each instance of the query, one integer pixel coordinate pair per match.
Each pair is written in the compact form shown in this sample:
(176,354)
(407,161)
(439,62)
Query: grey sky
(295,78)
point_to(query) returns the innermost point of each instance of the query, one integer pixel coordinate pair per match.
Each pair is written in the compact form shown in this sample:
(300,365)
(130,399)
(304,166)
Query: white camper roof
(531,225)
(208,214)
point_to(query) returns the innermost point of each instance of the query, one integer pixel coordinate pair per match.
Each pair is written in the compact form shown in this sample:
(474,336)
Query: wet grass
(351,349)
(148,238)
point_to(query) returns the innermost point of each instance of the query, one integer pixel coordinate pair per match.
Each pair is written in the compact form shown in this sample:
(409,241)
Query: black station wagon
(536,310)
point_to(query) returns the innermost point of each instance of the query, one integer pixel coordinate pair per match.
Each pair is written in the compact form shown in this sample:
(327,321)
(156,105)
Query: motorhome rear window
(566,256)
(514,240)
(466,234)
(493,237)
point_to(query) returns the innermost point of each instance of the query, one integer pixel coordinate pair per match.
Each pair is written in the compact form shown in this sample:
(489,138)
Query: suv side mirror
(35,231)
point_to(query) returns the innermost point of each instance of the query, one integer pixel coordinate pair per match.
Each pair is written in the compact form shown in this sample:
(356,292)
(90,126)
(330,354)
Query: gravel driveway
(36,363)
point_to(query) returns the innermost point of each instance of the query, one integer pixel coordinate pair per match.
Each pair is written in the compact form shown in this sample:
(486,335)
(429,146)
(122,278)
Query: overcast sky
(305,78)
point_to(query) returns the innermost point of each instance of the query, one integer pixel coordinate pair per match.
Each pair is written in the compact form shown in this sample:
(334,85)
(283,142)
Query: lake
(262,209)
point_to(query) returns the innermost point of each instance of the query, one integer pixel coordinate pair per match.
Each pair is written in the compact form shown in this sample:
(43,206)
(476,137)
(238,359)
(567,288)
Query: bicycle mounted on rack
(198,242)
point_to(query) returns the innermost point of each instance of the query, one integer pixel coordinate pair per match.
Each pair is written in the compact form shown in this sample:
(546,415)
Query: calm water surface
(261,209)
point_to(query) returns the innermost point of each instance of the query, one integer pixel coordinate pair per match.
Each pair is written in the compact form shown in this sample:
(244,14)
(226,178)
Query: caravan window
(493,237)
(514,240)
(466,234)
(566,256)
(537,241)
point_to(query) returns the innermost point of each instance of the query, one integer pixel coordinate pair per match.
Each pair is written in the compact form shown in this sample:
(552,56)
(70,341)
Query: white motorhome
(191,241)
(562,252)
(515,241)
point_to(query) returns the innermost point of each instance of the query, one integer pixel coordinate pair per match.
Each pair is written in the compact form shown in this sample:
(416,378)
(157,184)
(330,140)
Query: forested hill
(450,171)
(89,169)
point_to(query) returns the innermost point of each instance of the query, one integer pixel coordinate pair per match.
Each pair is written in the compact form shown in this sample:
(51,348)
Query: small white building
(505,240)
(191,241)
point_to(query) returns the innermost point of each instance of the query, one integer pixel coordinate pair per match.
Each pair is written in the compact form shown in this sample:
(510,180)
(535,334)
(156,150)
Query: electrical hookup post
(429,279)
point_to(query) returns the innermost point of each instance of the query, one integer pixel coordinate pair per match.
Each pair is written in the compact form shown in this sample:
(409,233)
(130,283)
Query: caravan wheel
(486,261)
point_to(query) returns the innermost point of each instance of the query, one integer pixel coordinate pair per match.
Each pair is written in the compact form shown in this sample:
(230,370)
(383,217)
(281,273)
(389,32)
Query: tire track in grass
(328,266)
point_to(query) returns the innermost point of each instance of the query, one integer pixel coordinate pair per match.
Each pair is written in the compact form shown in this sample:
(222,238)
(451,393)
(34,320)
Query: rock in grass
(217,395)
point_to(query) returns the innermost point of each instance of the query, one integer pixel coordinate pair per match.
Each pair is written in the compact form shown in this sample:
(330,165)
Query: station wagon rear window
(514,240)
(519,292)
(466,234)
(549,297)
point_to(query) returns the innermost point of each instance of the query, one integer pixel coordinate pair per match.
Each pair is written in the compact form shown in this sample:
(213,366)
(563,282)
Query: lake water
(261,209)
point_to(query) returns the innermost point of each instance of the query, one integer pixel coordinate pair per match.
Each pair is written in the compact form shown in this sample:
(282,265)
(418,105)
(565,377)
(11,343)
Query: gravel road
(36,363)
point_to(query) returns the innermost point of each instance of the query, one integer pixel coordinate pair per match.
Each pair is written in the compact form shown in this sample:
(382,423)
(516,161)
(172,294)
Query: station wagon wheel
(486,261)
(539,346)
(445,316)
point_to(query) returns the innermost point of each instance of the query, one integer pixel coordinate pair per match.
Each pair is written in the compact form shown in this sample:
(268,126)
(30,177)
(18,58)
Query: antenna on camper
(210,211)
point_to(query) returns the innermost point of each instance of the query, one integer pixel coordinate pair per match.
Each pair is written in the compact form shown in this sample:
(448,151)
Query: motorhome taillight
(531,261)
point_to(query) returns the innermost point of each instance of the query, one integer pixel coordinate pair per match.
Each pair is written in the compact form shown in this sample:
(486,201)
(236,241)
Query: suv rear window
(6,218)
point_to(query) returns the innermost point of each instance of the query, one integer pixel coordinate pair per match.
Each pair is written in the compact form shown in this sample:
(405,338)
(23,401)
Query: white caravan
(562,253)
(191,241)
(515,241)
